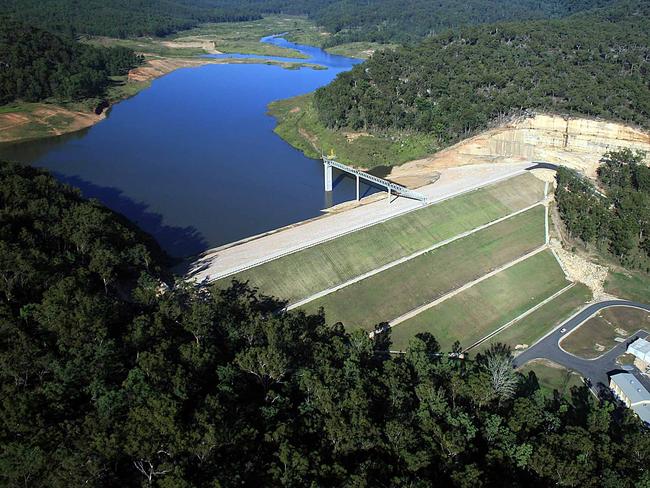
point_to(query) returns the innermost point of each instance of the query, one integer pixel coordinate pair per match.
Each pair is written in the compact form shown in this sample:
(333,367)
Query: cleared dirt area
(524,333)
(483,308)
(43,120)
(598,334)
(325,265)
(205,45)
(395,291)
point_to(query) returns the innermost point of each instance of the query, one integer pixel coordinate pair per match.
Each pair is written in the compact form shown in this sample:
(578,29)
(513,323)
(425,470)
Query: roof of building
(632,387)
(641,349)
(643,411)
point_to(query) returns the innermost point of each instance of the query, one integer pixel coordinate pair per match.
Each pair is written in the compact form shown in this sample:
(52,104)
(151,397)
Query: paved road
(543,165)
(229,259)
(594,369)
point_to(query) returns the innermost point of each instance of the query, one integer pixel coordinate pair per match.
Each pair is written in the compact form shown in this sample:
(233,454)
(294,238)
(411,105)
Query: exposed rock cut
(574,142)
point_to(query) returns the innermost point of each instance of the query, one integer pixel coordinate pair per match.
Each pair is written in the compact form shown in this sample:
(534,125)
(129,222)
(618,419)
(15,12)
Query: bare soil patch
(207,46)
(44,120)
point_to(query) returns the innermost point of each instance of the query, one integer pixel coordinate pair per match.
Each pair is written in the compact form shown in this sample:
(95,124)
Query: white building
(641,350)
(631,390)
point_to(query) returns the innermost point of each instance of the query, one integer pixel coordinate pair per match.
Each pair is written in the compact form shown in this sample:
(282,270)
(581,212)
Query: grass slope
(299,125)
(306,272)
(534,326)
(479,310)
(395,291)
(631,285)
(552,377)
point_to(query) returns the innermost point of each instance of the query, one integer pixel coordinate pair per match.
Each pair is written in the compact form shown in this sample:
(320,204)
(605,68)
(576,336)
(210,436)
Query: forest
(123,18)
(36,65)
(110,377)
(347,20)
(593,63)
(400,21)
(614,217)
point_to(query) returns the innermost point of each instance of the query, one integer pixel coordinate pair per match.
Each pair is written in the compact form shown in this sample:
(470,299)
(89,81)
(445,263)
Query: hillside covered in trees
(36,65)
(616,220)
(110,379)
(347,20)
(123,18)
(594,63)
(411,20)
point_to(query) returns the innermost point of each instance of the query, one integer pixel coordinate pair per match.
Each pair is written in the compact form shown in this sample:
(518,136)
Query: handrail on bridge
(330,163)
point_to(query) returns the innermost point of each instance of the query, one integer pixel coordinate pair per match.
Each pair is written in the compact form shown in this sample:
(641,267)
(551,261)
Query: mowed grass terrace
(393,292)
(481,309)
(312,270)
(537,324)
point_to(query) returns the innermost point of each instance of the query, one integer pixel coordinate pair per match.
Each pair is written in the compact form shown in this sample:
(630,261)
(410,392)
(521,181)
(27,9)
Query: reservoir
(194,161)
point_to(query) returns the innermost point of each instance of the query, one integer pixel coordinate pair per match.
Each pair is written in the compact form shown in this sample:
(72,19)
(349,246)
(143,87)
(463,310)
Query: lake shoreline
(33,121)
(200,139)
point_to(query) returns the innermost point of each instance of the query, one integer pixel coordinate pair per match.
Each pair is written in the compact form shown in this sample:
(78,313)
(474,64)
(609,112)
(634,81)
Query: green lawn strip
(552,377)
(597,335)
(397,290)
(486,306)
(533,327)
(323,266)
(631,285)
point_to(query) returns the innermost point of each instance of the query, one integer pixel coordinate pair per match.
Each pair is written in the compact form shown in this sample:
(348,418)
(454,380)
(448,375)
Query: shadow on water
(179,242)
(29,151)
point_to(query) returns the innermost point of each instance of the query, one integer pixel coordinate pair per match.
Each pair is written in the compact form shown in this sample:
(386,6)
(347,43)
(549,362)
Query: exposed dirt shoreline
(39,120)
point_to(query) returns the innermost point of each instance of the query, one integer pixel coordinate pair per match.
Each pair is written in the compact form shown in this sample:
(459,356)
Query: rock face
(575,142)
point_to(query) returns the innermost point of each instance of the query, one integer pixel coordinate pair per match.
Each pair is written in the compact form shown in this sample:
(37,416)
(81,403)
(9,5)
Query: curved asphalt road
(595,369)
(543,165)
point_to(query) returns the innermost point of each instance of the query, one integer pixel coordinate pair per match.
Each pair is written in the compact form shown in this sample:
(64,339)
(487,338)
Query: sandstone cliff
(575,142)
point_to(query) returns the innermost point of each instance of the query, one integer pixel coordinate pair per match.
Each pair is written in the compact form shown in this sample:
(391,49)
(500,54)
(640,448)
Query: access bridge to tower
(329,163)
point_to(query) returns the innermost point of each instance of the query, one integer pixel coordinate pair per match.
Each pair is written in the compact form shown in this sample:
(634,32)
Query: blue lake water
(194,160)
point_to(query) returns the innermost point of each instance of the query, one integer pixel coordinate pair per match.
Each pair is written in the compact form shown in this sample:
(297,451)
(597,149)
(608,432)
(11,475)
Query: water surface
(194,160)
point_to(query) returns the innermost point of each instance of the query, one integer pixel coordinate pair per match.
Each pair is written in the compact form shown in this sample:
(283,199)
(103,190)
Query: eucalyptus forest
(454,84)
(347,20)
(616,221)
(111,378)
(116,371)
(37,65)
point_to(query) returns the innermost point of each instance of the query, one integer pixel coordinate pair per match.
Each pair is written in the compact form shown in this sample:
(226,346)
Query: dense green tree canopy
(348,20)
(36,65)
(109,380)
(617,218)
(407,21)
(595,64)
(122,18)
